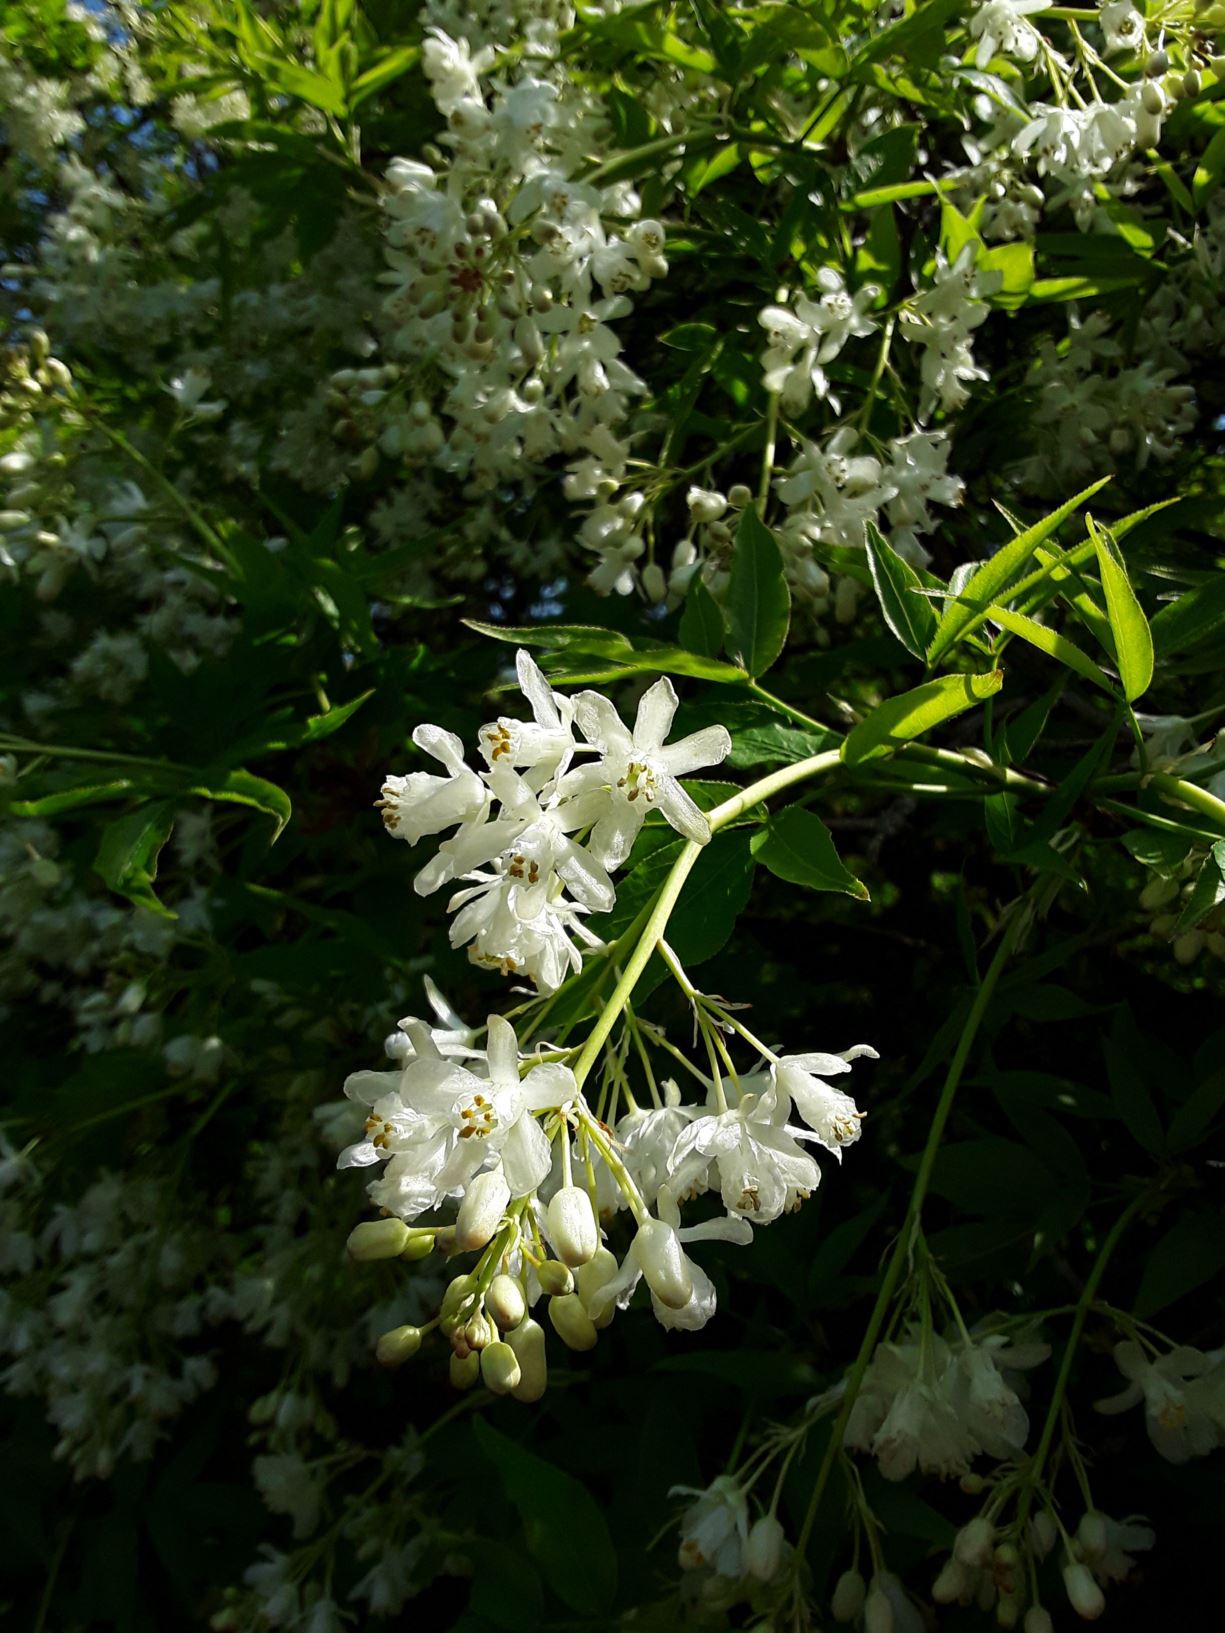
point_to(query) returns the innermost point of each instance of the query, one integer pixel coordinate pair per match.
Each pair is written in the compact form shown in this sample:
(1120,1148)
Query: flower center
(479,1119)
(639,781)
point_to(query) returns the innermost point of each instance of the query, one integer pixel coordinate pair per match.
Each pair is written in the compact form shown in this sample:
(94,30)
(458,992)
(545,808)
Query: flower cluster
(539,831)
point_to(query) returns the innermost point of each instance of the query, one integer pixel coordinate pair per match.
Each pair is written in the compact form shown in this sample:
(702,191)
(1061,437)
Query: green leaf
(304,84)
(1048,640)
(797,846)
(701,626)
(909,616)
(1190,1254)
(758,599)
(244,788)
(128,852)
(1208,892)
(565,1529)
(995,574)
(319,726)
(1162,849)
(715,895)
(1195,616)
(72,799)
(1133,639)
(1209,170)
(388,69)
(915,712)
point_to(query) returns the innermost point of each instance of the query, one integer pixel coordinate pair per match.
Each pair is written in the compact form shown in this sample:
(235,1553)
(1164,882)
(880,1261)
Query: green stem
(767,453)
(1033,1473)
(657,921)
(1189,793)
(905,1239)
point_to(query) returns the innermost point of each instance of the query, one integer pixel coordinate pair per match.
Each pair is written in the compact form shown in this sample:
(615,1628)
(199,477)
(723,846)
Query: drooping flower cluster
(499,1131)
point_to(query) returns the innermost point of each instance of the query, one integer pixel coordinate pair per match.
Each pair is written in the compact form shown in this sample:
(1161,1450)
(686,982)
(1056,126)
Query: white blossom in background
(1183,1394)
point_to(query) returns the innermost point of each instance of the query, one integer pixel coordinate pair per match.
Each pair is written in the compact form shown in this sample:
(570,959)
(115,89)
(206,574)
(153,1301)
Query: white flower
(1000,28)
(1183,1395)
(832,1115)
(188,391)
(1122,25)
(714,1529)
(903,1413)
(443,1123)
(422,803)
(761,1169)
(647,1139)
(547,744)
(636,771)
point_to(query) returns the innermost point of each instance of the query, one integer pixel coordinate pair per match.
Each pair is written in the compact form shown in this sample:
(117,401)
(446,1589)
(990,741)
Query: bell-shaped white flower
(422,803)
(637,771)
(832,1115)
(761,1169)
(715,1528)
(1178,1410)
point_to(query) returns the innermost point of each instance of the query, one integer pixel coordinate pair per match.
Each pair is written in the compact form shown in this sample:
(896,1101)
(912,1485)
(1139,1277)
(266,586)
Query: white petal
(681,812)
(526,1156)
(536,690)
(502,1052)
(654,719)
(600,724)
(443,745)
(705,747)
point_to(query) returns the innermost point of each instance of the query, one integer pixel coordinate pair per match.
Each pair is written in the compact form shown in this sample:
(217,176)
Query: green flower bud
(850,1591)
(506,1301)
(481,1211)
(377,1239)
(658,1250)
(528,1342)
(500,1369)
(572,1226)
(420,1245)
(465,1370)
(555,1278)
(397,1346)
(571,1322)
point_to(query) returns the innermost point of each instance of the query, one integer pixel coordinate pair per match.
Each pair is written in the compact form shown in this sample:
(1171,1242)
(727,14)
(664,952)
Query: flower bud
(1187,948)
(973,1543)
(763,1552)
(571,1322)
(1091,1533)
(572,1226)
(1158,892)
(1084,1595)
(590,1282)
(479,1332)
(952,1583)
(527,1341)
(465,1370)
(452,1300)
(500,1369)
(506,1301)
(850,1591)
(555,1278)
(1157,64)
(877,1612)
(420,1245)
(377,1239)
(1043,1534)
(654,584)
(738,496)
(1038,1620)
(1191,84)
(658,1250)
(480,1213)
(1152,98)
(1008,1611)
(705,506)
(397,1346)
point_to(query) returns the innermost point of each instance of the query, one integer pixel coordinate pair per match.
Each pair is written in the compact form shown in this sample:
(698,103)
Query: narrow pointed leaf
(758,599)
(1051,642)
(908,615)
(701,626)
(997,572)
(1133,639)
(900,719)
